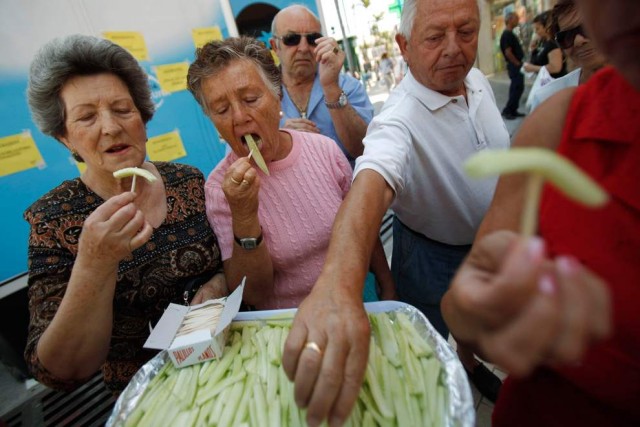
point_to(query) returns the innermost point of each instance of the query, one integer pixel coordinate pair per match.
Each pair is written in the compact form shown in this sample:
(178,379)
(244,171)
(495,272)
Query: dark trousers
(422,269)
(515,89)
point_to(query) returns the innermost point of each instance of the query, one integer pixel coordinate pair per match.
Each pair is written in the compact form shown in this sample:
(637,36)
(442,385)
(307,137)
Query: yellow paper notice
(18,153)
(172,77)
(165,148)
(201,36)
(81,166)
(130,40)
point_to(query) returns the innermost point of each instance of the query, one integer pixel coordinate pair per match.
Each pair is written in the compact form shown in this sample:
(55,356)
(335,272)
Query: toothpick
(529,221)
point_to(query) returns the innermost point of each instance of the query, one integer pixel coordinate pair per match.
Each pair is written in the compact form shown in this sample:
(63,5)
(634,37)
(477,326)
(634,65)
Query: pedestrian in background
(513,54)
(386,69)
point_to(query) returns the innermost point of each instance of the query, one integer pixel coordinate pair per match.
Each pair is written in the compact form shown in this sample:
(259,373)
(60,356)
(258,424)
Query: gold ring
(244,182)
(235,181)
(336,50)
(311,345)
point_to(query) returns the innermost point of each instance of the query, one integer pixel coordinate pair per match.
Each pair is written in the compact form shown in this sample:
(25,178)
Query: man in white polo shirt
(441,113)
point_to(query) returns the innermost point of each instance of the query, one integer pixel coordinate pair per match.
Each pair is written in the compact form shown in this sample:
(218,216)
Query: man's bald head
(291,12)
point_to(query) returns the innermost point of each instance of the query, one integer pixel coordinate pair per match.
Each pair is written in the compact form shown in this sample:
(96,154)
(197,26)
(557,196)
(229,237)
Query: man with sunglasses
(317,97)
(570,35)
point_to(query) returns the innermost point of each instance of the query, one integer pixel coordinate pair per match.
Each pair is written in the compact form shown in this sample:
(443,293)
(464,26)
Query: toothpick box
(197,346)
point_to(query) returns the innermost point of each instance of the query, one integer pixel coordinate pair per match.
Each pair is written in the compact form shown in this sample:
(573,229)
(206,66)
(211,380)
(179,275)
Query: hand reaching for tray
(327,360)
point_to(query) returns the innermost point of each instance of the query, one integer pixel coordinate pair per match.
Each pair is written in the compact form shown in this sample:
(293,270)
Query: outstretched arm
(333,315)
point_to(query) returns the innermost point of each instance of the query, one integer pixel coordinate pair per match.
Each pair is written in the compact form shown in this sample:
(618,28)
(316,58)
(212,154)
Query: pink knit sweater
(298,203)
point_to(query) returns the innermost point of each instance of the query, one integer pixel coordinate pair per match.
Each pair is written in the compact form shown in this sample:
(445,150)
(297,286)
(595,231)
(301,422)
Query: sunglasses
(566,38)
(293,39)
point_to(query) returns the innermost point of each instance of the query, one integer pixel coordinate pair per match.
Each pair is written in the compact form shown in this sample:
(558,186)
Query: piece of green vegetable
(255,151)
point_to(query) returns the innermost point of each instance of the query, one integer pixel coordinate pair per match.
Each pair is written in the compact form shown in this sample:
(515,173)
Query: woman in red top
(562,320)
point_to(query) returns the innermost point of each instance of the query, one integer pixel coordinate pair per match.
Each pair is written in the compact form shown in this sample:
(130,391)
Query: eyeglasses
(293,39)
(566,38)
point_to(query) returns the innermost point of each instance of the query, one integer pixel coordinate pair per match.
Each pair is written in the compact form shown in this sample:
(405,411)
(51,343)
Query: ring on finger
(235,181)
(336,50)
(313,346)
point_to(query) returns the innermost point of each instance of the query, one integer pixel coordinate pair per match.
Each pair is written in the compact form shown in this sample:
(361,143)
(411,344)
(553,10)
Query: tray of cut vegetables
(413,378)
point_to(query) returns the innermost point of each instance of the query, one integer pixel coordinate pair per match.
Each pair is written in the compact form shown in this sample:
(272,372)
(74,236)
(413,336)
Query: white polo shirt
(419,142)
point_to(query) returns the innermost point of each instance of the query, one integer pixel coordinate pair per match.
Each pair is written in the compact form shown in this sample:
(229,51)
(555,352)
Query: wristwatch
(340,103)
(249,243)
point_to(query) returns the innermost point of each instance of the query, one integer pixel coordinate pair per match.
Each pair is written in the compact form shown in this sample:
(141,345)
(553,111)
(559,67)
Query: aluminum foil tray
(461,412)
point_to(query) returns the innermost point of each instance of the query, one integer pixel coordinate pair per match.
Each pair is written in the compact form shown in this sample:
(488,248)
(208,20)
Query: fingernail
(567,265)
(546,285)
(535,248)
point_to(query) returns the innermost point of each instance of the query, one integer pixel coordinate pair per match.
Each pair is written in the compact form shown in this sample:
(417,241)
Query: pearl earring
(281,114)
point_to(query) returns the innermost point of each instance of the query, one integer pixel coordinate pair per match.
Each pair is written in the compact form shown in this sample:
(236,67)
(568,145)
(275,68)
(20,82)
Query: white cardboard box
(197,346)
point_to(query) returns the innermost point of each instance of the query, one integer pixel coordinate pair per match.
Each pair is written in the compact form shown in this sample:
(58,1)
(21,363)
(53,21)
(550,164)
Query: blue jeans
(422,269)
(516,88)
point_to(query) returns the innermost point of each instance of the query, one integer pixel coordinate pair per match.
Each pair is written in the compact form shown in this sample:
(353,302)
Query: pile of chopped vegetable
(404,382)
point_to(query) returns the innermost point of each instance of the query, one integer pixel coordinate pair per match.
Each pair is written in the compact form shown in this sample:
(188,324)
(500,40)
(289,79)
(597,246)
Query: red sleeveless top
(602,136)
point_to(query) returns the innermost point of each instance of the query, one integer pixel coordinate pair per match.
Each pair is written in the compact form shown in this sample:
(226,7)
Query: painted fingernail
(547,285)
(535,248)
(567,265)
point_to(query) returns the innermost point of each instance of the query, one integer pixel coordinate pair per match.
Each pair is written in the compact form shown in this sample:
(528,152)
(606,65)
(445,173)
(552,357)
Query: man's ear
(273,43)
(402,42)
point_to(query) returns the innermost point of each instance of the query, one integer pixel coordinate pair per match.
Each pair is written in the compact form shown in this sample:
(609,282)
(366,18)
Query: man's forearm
(351,129)
(355,230)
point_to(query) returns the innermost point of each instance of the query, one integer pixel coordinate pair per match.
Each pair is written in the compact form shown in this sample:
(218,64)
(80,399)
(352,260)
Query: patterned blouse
(183,248)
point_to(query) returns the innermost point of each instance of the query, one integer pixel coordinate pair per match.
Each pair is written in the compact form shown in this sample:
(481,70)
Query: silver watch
(340,103)
(249,243)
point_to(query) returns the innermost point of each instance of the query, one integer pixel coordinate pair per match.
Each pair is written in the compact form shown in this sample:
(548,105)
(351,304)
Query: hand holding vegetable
(113,231)
(241,186)
(520,310)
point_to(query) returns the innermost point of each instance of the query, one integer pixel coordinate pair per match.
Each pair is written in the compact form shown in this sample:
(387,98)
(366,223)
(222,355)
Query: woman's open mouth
(115,149)
(255,137)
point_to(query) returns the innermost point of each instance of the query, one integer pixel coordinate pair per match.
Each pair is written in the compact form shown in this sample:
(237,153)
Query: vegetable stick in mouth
(541,164)
(257,157)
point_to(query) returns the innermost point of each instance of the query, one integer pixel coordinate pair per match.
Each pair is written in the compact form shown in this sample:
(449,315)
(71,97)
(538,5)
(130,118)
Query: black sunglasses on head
(293,39)
(566,38)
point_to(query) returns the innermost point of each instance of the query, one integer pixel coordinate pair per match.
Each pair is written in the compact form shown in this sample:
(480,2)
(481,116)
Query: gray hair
(216,55)
(409,9)
(299,6)
(63,58)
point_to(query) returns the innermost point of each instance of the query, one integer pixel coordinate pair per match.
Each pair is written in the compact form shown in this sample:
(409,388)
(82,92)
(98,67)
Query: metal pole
(345,40)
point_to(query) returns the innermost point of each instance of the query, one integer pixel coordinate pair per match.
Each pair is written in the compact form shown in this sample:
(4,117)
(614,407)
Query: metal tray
(460,412)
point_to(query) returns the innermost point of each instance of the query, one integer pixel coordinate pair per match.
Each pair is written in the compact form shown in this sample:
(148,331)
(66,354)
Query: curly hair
(216,55)
(63,58)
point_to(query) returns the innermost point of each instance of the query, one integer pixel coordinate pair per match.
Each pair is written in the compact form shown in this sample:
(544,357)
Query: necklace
(302,111)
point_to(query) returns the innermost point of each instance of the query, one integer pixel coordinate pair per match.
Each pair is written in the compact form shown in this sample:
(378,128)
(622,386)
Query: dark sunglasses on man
(566,38)
(293,39)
